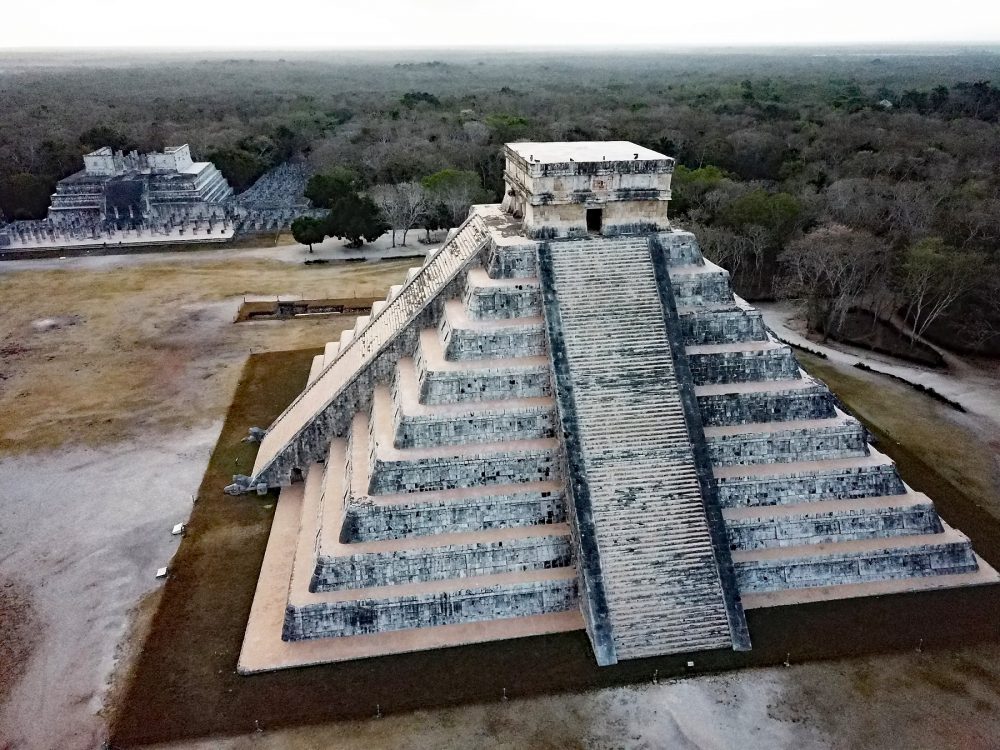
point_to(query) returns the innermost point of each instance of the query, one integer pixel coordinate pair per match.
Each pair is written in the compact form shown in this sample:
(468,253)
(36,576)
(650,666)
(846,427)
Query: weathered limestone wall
(370,522)
(744,366)
(863,481)
(510,466)
(833,526)
(846,568)
(477,603)
(722,327)
(815,402)
(777,445)
(453,561)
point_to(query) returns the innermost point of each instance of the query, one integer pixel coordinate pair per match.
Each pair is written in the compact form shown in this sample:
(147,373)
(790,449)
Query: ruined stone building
(133,189)
(566,420)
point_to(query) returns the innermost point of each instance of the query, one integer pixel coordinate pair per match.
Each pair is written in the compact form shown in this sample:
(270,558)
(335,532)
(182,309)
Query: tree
(934,277)
(402,204)
(326,189)
(307,231)
(456,190)
(835,268)
(25,196)
(777,213)
(357,219)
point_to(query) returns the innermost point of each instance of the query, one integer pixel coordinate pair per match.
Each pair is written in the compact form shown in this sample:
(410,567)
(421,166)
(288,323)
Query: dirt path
(975,386)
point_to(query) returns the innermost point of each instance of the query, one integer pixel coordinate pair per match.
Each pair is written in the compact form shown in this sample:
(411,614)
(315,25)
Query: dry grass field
(96,356)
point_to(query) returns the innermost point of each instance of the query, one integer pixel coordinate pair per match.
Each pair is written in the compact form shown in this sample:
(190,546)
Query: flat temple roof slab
(587,151)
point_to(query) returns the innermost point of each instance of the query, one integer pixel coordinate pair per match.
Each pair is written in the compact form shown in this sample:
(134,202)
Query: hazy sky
(451,23)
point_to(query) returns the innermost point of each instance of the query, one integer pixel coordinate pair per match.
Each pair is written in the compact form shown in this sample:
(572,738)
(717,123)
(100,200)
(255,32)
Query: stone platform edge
(263,649)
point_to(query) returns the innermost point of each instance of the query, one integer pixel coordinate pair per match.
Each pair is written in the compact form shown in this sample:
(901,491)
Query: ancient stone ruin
(564,420)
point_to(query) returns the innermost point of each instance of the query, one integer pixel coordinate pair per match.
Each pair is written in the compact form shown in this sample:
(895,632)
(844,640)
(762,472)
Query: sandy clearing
(84,530)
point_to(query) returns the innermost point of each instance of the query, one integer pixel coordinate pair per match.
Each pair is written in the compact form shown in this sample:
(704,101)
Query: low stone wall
(500,302)
(743,367)
(864,481)
(434,564)
(766,406)
(777,445)
(426,610)
(930,559)
(433,473)
(369,522)
(841,526)
(494,426)
(722,327)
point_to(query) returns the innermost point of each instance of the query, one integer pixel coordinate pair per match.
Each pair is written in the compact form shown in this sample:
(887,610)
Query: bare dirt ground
(114,376)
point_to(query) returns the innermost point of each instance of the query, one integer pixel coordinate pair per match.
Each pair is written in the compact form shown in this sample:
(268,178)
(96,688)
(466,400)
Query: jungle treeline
(857,180)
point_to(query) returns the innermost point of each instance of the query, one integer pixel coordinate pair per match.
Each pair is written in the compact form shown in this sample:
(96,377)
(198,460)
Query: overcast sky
(287,24)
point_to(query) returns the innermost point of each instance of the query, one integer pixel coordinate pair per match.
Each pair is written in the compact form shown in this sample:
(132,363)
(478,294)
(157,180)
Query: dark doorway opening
(594,216)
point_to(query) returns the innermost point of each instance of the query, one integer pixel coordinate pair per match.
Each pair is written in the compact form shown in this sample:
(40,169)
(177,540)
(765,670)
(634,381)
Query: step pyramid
(536,434)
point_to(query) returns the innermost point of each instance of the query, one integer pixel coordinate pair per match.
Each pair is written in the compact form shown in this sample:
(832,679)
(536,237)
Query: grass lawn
(184,682)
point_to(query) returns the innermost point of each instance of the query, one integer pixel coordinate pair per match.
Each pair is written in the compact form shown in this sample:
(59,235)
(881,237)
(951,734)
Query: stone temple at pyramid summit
(565,420)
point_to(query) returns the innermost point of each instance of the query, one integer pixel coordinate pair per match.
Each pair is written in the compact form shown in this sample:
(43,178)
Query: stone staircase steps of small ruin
(418,291)
(656,557)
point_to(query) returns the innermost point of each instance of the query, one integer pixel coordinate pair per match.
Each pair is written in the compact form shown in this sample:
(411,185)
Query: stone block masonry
(565,419)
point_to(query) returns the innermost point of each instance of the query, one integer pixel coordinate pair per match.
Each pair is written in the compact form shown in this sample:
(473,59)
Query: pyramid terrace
(566,420)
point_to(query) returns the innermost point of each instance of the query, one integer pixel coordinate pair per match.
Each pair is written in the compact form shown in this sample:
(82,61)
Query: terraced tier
(357,350)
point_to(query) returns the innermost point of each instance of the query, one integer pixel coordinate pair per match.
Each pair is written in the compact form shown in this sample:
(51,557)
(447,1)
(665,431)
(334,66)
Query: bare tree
(835,268)
(934,277)
(403,204)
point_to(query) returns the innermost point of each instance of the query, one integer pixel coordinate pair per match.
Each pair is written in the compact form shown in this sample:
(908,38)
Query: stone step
(855,561)
(767,401)
(822,521)
(451,466)
(330,352)
(800,481)
(631,462)
(444,381)
(425,425)
(489,298)
(841,436)
(315,368)
(698,284)
(466,338)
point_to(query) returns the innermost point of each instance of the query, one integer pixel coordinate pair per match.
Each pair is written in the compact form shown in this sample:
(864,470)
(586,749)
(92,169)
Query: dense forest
(856,180)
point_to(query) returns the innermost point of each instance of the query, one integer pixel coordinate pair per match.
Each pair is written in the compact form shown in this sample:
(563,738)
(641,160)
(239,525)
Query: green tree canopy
(778,213)
(456,190)
(307,231)
(325,189)
(357,219)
